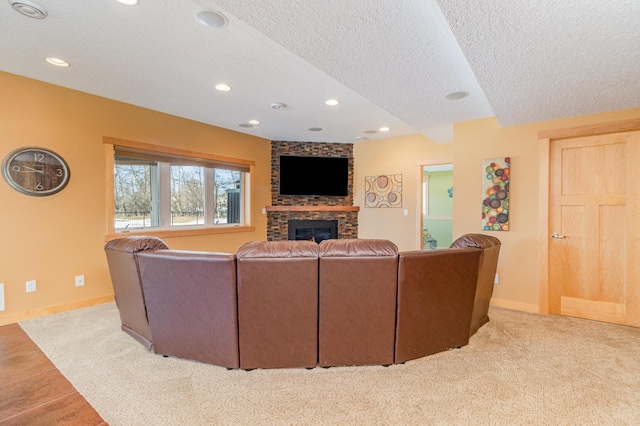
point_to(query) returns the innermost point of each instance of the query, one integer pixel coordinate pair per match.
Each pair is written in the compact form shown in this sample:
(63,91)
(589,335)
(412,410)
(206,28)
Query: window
(162,189)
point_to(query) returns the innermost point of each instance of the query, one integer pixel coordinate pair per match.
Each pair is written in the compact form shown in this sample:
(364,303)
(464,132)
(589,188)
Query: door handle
(556,235)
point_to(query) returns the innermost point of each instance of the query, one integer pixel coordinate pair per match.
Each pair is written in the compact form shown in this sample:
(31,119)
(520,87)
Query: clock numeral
(38,156)
(59,172)
(39,187)
(15,168)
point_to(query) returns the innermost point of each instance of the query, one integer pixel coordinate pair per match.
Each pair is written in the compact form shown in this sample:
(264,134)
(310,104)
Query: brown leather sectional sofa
(300,304)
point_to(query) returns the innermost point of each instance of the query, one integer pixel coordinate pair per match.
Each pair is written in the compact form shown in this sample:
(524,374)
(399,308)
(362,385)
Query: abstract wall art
(383,191)
(496,173)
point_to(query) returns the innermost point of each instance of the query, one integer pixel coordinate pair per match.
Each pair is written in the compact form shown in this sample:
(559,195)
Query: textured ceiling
(389,63)
(543,59)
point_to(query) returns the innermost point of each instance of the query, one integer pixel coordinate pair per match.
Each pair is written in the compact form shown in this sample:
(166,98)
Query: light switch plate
(1,297)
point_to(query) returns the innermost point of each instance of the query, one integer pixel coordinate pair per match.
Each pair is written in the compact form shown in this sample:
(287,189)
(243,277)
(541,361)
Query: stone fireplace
(310,208)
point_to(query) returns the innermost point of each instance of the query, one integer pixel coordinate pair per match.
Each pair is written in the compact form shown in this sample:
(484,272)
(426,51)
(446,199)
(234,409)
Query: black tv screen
(314,175)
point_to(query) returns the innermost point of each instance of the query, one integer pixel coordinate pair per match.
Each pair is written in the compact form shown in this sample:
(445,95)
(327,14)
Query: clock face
(35,171)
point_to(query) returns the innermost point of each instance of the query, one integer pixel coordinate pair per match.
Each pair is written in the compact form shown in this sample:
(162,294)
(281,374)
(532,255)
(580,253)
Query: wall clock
(35,171)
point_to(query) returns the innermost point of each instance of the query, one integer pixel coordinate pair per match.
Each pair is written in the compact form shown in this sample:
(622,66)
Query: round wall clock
(35,171)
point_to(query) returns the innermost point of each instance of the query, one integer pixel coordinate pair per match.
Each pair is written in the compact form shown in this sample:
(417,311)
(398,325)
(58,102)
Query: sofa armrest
(490,247)
(122,260)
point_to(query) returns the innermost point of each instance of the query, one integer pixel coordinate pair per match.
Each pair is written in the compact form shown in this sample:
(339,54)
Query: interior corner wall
(519,263)
(52,239)
(404,156)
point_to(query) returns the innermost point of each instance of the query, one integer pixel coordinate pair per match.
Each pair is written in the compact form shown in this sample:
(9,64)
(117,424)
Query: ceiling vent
(28,8)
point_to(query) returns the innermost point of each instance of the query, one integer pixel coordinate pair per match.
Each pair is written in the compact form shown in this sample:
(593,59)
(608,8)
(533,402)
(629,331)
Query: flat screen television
(314,175)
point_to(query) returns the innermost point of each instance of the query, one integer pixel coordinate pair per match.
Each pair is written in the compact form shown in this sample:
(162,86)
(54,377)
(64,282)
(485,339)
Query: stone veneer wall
(277,221)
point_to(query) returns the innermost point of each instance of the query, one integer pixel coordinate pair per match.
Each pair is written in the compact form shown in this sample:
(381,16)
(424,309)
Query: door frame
(420,196)
(545,137)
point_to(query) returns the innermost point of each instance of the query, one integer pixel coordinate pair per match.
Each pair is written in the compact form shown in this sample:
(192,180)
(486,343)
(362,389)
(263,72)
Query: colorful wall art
(383,191)
(495,194)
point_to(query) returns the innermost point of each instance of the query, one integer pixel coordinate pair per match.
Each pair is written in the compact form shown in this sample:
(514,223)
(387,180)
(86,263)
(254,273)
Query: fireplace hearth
(313,230)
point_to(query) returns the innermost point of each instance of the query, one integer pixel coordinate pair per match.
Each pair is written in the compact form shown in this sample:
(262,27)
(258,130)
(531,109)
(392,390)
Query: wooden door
(594,253)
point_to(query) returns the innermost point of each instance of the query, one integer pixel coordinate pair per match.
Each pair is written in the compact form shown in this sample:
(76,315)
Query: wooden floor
(32,390)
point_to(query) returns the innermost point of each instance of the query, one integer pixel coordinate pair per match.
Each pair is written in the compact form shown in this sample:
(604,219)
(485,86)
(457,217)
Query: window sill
(165,233)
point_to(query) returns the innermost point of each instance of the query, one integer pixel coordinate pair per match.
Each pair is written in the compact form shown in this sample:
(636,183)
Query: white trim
(516,306)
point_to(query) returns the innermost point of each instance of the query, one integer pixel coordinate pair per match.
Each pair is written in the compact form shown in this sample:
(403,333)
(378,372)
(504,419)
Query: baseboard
(516,306)
(50,310)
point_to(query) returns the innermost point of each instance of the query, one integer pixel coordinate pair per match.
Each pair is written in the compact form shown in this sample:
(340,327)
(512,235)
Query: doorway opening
(437,206)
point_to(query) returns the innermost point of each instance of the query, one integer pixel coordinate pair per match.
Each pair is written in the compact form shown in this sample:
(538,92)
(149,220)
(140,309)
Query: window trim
(111,143)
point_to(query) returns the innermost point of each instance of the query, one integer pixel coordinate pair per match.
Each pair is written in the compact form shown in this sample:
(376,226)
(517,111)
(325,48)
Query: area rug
(519,369)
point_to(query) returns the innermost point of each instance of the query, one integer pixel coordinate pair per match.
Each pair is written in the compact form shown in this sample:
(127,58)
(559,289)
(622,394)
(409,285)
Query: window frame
(111,144)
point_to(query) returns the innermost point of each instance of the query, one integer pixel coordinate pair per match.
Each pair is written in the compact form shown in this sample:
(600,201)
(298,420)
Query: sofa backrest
(300,304)
(357,287)
(278,304)
(436,290)
(192,303)
(488,265)
(127,286)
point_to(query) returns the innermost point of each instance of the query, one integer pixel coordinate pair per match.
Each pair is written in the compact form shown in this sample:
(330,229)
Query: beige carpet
(518,369)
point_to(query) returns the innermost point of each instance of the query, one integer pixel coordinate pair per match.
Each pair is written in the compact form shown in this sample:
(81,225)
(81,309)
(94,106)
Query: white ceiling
(389,63)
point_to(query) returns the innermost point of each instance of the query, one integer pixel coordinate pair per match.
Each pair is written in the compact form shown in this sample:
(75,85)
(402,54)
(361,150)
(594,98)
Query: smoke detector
(278,105)
(28,8)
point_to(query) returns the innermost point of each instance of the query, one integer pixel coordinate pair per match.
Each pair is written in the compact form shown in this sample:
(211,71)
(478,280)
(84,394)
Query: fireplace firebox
(313,230)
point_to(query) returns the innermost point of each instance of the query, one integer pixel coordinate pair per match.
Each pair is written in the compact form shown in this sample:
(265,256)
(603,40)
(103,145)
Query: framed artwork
(383,191)
(496,173)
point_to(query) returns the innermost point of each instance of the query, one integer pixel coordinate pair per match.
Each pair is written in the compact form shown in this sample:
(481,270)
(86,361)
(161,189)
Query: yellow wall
(475,140)
(404,155)
(53,239)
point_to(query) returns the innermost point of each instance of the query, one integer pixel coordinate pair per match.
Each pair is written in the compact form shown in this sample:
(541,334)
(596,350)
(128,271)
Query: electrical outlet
(31,286)
(1,297)
(496,279)
(79,280)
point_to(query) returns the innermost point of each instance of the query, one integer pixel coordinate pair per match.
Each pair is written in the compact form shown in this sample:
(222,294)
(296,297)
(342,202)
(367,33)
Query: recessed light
(370,132)
(254,122)
(223,87)
(332,102)
(384,129)
(57,62)
(28,8)
(212,19)
(454,96)
(128,2)
(360,138)
(315,129)
(278,105)
(245,125)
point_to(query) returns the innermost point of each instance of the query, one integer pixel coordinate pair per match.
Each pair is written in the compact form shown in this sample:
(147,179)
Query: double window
(163,189)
